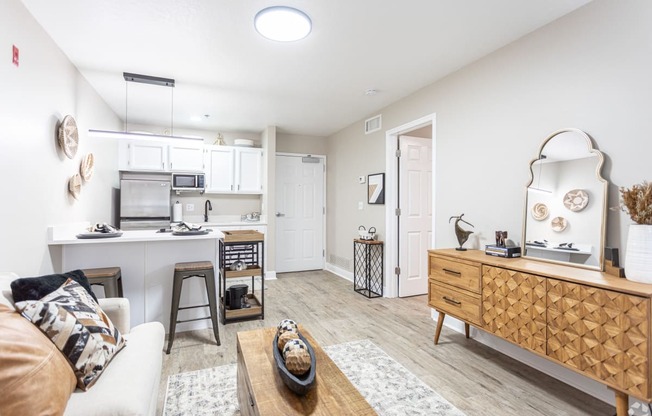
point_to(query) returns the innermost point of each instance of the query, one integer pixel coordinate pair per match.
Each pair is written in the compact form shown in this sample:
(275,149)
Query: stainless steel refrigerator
(144,200)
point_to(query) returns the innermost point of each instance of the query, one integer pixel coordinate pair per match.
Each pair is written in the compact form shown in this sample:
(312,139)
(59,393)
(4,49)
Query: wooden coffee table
(262,392)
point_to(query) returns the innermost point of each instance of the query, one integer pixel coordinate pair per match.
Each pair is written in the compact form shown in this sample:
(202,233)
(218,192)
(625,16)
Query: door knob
(279,214)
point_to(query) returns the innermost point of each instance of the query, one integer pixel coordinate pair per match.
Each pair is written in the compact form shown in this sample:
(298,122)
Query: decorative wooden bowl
(298,384)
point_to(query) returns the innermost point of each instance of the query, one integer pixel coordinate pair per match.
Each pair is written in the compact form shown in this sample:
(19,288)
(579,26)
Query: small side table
(368,267)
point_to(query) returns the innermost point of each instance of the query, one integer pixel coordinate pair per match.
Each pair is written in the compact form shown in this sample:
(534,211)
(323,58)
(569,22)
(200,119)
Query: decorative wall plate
(576,200)
(540,211)
(68,136)
(74,185)
(559,224)
(86,167)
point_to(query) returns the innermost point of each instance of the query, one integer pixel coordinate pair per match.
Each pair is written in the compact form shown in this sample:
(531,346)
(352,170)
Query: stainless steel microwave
(188,182)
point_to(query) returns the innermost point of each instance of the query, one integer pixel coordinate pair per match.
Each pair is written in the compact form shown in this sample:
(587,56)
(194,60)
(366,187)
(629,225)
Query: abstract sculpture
(462,234)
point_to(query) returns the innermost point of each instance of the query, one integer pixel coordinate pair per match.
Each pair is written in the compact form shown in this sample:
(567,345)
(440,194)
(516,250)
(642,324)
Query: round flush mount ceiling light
(283,24)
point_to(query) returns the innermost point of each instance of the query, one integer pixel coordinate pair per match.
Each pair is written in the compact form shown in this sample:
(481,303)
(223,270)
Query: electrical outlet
(360,205)
(190,207)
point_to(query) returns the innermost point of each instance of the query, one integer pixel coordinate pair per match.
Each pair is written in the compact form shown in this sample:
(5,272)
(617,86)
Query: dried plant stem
(637,202)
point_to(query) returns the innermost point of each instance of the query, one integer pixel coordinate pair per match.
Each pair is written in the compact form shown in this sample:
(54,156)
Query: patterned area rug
(213,391)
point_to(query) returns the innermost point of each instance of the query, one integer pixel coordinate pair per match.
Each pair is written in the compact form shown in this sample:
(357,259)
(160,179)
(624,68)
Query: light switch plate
(360,205)
(362,179)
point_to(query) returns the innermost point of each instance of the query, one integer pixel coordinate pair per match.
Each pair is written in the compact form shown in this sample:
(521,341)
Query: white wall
(35,97)
(590,70)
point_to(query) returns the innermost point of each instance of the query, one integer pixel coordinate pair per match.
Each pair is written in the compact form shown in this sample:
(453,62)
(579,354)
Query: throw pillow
(35,379)
(34,288)
(78,327)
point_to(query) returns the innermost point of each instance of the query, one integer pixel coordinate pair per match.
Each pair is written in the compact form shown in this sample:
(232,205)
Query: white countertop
(223,220)
(66,234)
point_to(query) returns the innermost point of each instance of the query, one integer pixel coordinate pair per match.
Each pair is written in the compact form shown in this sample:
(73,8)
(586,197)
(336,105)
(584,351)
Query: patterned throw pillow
(78,327)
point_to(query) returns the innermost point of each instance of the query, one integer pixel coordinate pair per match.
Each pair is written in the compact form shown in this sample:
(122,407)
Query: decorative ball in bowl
(295,358)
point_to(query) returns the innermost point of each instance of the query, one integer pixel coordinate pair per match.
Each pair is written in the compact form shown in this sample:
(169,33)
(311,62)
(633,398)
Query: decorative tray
(99,235)
(298,384)
(190,232)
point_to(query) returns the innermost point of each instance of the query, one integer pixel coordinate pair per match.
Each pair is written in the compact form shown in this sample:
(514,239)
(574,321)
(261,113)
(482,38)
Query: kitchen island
(147,260)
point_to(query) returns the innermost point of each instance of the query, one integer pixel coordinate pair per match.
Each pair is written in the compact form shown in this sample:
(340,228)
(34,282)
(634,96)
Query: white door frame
(324,196)
(391,196)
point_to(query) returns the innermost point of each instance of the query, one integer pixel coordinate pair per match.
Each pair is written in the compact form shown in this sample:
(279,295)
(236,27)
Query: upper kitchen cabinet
(219,169)
(249,170)
(187,157)
(159,156)
(233,169)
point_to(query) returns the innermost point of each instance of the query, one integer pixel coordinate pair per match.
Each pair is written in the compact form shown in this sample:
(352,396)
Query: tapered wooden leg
(622,403)
(466,329)
(440,322)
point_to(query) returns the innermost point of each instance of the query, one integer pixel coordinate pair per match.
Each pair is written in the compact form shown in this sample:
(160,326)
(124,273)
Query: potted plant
(637,202)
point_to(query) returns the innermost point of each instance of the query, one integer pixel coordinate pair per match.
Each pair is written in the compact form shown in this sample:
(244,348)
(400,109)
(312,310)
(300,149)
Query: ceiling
(224,69)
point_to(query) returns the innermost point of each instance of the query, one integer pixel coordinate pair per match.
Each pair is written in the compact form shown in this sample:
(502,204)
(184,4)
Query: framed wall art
(376,188)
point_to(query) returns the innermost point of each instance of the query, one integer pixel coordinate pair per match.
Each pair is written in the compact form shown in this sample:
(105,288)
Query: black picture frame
(376,189)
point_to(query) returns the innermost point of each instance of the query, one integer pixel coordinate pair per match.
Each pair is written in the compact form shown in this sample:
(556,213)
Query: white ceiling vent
(373,124)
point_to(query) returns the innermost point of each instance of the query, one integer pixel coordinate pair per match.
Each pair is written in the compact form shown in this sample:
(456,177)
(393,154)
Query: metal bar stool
(108,277)
(183,271)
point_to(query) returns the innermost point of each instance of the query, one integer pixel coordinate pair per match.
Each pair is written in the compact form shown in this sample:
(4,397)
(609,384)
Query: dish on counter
(190,232)
(90,235)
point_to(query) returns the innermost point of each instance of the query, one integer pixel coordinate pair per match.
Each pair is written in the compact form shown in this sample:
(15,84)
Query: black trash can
(235,294)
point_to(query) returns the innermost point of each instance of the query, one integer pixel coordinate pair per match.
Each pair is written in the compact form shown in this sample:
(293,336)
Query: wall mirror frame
(566,202)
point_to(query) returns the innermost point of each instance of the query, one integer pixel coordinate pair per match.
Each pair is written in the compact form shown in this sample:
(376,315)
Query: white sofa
(130,383)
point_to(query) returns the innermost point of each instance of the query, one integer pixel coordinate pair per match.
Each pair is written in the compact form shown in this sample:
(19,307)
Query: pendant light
(143,79)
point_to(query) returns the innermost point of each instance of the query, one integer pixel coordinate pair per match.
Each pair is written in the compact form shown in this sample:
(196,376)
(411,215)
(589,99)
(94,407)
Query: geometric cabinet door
(601,333)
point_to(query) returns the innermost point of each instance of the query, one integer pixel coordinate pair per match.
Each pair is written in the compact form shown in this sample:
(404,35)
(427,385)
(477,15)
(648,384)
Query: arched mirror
(566,202)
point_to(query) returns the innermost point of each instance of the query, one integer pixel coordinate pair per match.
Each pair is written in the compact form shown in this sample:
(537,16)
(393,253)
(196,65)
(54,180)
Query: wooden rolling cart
(246,247)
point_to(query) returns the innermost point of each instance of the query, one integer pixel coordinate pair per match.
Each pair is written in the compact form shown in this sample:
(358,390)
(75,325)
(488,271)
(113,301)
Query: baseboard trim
(338,271)
(580,382)
(270,275)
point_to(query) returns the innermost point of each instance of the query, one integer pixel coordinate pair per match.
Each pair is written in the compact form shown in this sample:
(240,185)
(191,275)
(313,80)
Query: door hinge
(323,253)
(397,270)
(398,212)
(323,210)
(398,152)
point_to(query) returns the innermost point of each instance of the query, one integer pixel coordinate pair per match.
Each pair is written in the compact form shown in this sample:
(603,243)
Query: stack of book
(498,251)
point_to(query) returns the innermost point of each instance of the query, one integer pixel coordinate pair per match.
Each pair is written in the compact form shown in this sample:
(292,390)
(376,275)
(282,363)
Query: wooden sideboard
(590,322)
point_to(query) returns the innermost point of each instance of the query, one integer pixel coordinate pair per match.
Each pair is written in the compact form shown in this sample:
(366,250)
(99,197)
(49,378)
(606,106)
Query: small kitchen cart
(368,267)
(248,247)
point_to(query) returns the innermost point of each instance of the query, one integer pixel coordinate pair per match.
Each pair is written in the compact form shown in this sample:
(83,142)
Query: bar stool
(108,277)
(183,271)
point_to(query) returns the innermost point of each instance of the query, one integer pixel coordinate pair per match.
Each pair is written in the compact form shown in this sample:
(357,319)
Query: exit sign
(15,55)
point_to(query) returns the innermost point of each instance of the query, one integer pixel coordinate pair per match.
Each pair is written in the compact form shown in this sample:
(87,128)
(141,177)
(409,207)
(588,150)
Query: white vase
(638,258)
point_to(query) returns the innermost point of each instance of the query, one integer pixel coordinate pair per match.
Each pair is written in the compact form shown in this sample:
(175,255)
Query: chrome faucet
(207,207)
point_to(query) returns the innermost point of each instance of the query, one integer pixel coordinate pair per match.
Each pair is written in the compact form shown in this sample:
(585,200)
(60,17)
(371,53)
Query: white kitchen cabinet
(186,157)
(249,170)
(218,161)
(142,155)
(233,169)
(161,156)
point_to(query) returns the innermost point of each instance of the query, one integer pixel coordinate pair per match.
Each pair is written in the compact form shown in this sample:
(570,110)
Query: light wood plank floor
(476,379)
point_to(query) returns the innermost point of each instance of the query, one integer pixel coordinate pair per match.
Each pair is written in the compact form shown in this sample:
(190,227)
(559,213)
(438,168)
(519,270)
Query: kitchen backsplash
(222,204)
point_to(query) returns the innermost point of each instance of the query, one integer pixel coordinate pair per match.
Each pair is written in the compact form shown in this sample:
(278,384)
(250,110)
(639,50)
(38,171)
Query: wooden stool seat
(108,277)
(183,271)
(193,266)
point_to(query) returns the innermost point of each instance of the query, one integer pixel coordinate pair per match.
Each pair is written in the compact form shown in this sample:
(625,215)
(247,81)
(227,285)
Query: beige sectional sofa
(128,386)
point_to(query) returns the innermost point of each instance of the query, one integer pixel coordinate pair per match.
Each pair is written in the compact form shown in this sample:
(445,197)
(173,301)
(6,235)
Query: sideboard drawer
(461,304)
(465,275)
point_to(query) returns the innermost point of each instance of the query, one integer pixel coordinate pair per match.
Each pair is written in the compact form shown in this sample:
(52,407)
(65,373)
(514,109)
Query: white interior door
(300,213)
(415,221)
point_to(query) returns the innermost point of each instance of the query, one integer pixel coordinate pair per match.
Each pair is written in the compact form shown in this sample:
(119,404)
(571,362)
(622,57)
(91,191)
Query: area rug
(389,387)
